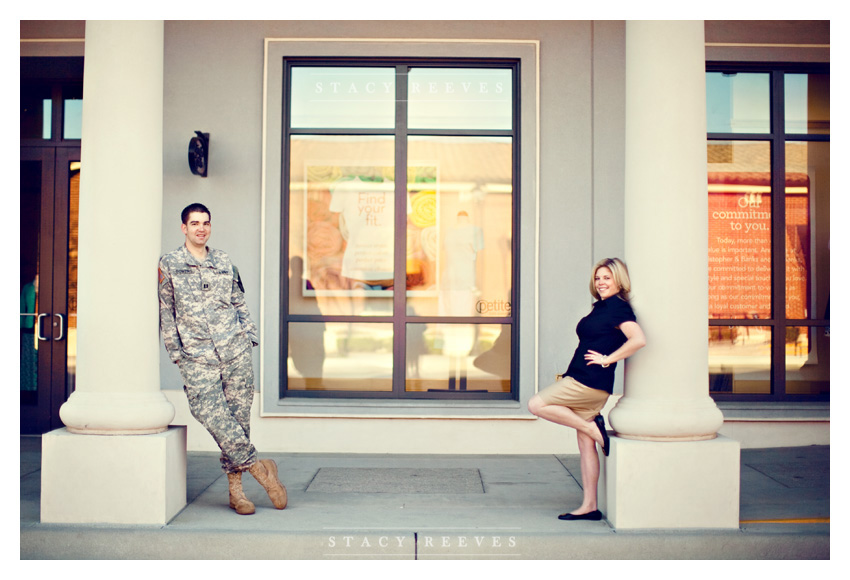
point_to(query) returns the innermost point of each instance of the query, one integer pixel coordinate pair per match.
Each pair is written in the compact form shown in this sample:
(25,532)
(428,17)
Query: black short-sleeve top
(599,331)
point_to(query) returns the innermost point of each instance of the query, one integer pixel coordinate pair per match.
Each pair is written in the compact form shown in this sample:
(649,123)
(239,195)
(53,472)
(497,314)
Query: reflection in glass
(738,102)
(807,103)
(341,220)
(36,112)
(72,117)
(459,256)
(739,226)
(739,359)
(340,357)
(807,360)
(342,97)
(73,254)
(806,230)
(30,209)
(458,358)
(460,98)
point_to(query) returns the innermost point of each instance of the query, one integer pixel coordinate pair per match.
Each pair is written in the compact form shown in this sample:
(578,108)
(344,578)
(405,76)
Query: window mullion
(400,249)
(57,114)
(778,233)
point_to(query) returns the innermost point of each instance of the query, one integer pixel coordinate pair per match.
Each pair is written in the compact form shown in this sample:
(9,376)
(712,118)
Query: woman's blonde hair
(619,272)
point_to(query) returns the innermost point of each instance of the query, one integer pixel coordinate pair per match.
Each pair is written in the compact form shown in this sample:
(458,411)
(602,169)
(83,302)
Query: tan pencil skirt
(584,401)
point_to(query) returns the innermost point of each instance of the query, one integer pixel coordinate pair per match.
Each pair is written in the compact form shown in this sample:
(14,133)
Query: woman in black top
(608,334)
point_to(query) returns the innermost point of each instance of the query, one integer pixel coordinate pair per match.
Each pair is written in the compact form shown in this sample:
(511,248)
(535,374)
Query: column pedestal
(113,479)
(693,484)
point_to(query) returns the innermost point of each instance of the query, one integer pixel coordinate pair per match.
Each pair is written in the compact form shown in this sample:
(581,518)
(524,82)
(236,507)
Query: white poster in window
(349,238)
(365,220)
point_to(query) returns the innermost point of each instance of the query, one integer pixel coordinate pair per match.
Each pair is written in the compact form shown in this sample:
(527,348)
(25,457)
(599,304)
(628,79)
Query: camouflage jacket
(202,310)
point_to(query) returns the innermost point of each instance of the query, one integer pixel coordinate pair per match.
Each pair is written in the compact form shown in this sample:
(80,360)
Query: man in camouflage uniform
(208,333)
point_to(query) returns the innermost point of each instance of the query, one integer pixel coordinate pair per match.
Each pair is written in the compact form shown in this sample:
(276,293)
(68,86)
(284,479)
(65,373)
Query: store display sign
(740,250)
(349,233)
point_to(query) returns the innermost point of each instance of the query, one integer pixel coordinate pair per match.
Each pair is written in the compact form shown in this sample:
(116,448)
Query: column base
(109,413)
(132,479)
(668,439)
(652,419)
(655,485)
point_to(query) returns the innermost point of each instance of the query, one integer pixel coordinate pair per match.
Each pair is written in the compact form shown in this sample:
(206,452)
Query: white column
(667,467)
(666,234)
(120,233)
(117,461)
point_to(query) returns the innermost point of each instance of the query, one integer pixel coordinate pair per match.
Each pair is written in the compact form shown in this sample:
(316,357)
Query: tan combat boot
(238,501)
(265,471)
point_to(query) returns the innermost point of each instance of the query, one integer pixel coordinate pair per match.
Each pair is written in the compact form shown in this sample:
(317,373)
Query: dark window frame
(777,138)
(61,76)
(400,132)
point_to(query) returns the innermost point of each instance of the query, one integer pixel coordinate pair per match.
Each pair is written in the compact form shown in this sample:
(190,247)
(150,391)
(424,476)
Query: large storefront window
(768,190)
(399,215)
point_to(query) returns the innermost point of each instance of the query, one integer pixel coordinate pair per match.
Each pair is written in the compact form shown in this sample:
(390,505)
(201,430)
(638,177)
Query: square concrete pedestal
(113,479)
(654,485)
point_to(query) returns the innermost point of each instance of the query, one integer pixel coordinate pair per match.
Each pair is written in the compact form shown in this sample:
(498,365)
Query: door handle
(38,325)
(61,327)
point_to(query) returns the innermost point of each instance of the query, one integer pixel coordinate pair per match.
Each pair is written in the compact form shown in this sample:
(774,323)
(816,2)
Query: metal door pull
(61,327)
(38,325)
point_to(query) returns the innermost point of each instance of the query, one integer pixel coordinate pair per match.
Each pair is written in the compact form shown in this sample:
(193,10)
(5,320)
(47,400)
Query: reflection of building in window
(306,340)
(341,214)
(29,354)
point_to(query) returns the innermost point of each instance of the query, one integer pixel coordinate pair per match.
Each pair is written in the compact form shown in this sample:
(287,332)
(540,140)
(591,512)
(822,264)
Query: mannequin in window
(459,292)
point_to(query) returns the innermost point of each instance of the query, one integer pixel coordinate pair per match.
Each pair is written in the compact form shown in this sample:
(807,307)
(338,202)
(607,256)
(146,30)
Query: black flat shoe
(595,515)
(606,442)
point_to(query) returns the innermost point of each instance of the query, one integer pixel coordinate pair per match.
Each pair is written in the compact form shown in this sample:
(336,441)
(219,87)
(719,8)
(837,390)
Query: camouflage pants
(220,399)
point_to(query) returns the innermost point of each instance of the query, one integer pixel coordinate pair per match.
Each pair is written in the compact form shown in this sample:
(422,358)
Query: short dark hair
(198,207)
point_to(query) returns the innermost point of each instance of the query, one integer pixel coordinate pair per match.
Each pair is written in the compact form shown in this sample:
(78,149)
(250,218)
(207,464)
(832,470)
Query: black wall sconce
(199,153)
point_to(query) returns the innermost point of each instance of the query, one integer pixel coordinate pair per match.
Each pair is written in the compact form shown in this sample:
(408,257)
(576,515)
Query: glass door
(49,196)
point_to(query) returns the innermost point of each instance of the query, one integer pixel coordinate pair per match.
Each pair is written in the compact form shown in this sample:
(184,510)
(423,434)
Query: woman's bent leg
(564,416)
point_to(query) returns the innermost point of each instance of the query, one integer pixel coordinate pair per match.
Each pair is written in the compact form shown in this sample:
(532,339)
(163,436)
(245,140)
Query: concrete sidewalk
(439,507)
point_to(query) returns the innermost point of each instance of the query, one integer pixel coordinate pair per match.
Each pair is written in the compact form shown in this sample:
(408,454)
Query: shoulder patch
(238,279)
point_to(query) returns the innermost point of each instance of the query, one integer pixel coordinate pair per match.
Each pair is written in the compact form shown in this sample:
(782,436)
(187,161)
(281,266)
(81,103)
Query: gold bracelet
(604,364)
